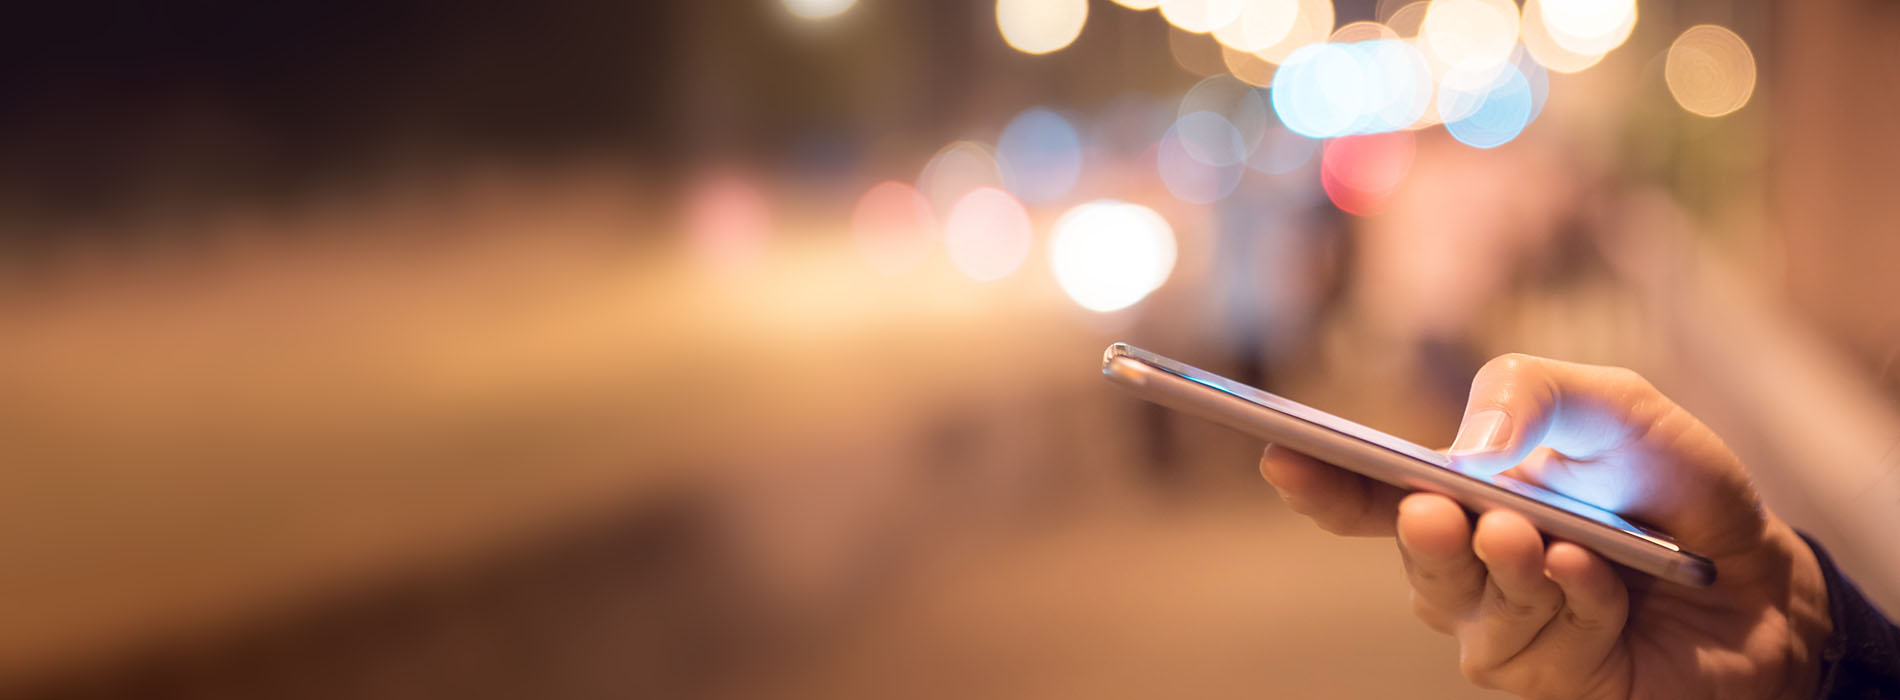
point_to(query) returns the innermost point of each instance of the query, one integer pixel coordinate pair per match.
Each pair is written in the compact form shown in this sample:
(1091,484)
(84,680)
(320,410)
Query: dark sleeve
(1861,659)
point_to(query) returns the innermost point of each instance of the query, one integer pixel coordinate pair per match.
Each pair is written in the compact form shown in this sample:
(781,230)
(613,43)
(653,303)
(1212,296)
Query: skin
(1549,619)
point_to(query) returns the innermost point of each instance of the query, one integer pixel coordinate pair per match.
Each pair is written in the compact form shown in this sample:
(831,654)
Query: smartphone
(1394,461)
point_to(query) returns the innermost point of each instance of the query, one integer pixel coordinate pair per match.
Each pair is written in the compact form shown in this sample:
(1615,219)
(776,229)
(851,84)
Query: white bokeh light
(1588,27)
(1469,41)
(1200,16)
(1041,26)
(1261,24)
(818,9)
(1109,254)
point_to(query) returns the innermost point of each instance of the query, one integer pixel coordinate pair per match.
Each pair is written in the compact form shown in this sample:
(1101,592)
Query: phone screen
(1390,442)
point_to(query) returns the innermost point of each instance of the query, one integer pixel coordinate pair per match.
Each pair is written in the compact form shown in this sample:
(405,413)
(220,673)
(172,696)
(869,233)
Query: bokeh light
(1313,24)
(818,9)
(1408,19)
(1199,54)
(727,219)
(1247,66)
(1201,16)
(1469,41)
(1261,23)
(1361,31)
(1107,254)
(1328,89)
(1319,90)
(1041,26)
(1360,173)
(987,234)
(1400,88)
(1190,179)
(1545,49)
(1710,71)
(1488,118)
(1040,155)
(955,170)
(1242,106)
(1588,27)
(893,227)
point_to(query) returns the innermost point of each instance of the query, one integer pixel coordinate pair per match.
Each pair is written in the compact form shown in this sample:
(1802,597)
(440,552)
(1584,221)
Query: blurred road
(269,451)
(1230,597)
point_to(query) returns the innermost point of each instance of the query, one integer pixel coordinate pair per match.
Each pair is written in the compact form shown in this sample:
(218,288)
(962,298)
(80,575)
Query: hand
(1553,620)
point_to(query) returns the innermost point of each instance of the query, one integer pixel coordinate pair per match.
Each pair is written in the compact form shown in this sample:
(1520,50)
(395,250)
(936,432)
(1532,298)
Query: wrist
(1809,623)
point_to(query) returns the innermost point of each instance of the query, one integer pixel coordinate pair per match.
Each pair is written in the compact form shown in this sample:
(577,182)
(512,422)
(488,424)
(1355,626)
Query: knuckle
(1514,609)
(1630,378)
(1430,614)
(1476,672)
(1584,622)
(1336,524)
(1509,364)
(1336,515)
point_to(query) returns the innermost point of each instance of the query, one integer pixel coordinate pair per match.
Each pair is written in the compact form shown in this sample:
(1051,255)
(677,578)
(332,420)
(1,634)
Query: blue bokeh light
(1492,118)
(1040,154)
(1328,90)
(1318,92)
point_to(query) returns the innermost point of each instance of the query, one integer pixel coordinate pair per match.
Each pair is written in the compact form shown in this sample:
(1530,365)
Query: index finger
(1337,500)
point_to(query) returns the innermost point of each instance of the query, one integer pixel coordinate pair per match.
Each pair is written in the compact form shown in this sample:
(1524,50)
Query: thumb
(1623,446)
(1519,403)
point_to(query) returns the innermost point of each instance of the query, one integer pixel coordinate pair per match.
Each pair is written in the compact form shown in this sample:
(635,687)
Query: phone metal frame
(1173,384)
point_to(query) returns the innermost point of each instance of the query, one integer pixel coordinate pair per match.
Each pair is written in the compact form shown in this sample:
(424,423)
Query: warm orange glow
(1710,71)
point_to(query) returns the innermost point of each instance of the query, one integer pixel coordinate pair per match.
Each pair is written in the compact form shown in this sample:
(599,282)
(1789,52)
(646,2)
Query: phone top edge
(1697,571)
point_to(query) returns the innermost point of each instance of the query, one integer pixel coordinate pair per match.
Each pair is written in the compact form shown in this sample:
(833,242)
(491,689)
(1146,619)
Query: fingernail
(1284,498)
(1484,431)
